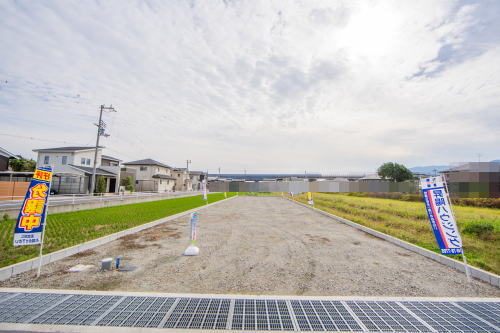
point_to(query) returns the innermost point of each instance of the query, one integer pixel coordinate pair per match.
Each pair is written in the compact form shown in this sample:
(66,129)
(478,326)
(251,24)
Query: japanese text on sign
(440,215)
(31,217)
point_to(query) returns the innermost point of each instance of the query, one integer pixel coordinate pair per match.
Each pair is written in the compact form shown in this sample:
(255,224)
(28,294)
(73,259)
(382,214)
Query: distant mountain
(430,169)
(498,161)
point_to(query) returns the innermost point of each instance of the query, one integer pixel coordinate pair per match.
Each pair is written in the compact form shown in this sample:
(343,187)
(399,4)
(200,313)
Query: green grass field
(68,229)
(479,227)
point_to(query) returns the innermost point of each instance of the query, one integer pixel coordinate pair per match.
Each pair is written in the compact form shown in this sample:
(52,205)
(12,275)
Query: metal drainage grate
(249,314)
(324,316)
(446,317)
(386,317)
(202,313)
(137,312)
(487,311)
(263,315)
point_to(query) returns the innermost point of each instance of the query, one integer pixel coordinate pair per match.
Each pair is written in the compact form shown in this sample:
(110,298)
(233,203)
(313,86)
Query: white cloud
(262,85)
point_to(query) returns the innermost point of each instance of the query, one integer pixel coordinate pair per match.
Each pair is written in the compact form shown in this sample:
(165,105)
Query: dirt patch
(403,254)
(356,243)
(100,226)
(129,242)
(318,239)
(130,237)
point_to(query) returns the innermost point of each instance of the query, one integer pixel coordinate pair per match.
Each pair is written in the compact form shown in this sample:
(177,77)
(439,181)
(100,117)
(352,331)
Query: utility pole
(101,126)
(219,172)
(478,157)
(187,165)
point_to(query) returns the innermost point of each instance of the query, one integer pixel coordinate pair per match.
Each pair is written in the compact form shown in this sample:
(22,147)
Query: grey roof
(197,172)
(111,158)
(66,149)
(147,161)
(89,170)
(179,169)
(158,175)
(5,153)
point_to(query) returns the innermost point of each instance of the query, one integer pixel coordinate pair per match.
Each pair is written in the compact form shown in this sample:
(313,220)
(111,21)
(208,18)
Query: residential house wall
(147,179)
(183,181)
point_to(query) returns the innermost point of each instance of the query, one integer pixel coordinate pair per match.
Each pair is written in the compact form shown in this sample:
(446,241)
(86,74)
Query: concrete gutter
(478,273)
(24,266)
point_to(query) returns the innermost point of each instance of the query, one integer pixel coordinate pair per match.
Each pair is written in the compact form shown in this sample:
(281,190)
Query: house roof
(147,161)
(111,158)
(196,172)
(180,169)
(65,149)
(163,176)
(89,170)
(5,153)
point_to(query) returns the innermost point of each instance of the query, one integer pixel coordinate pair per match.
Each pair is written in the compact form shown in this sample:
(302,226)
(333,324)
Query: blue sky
(267,86)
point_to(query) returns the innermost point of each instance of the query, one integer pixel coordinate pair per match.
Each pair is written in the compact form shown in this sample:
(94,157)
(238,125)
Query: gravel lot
(260,245)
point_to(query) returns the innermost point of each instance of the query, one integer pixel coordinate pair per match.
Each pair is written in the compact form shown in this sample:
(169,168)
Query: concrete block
(58,255)
(5,273)
(481,275)
(22,267)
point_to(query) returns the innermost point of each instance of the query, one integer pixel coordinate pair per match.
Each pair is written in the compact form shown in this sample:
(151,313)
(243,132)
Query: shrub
(483,230)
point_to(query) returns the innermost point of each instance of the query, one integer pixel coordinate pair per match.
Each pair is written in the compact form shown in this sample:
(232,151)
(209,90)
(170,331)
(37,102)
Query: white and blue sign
(440,215)
(31,219)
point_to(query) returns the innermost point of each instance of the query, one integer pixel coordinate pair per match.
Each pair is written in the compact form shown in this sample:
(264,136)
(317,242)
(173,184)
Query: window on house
(158,170)
(160,181)
(64,160)
(88,161)
(45,160)
(82,161)
(144,168)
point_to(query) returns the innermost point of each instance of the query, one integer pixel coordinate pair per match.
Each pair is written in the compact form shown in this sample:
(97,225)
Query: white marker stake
(192,250)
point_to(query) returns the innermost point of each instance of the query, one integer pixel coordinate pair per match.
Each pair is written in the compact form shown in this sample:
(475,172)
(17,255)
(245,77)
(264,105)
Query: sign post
(31,220)
(192,250)
(310,199)
(442,219)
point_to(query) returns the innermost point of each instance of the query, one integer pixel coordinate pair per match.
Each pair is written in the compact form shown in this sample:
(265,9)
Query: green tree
(127,182)
(394,171)
(22,164)
(101,185)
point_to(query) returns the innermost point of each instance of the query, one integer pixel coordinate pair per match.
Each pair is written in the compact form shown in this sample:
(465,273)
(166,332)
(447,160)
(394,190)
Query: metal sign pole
(464,258)
(44,224)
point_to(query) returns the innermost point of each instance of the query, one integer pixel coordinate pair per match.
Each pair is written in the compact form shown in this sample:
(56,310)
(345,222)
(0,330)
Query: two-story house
(73,167)
(196,179)
(150,175)
(182,181)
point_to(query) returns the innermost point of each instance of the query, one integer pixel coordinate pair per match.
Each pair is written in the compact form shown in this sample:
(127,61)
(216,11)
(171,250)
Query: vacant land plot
(480,227)
(260,245)
(68,229)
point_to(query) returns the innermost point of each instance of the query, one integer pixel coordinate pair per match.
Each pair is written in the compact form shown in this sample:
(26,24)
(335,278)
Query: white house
(73,166)
(150,175)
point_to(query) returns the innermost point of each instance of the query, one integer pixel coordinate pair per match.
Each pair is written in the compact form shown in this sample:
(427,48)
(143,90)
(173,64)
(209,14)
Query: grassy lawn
(68,229)
(479,227)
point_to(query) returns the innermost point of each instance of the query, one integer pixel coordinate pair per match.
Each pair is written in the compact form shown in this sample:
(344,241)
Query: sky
(258,85)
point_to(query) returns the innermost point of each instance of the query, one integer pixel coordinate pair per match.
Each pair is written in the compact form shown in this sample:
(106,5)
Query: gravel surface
(259,245)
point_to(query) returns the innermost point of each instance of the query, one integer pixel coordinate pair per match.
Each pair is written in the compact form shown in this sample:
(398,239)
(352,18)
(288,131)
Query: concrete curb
(478,273)
(24,266)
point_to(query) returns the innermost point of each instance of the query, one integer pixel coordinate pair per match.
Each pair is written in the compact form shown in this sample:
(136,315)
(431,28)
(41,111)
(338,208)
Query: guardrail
(64,199)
